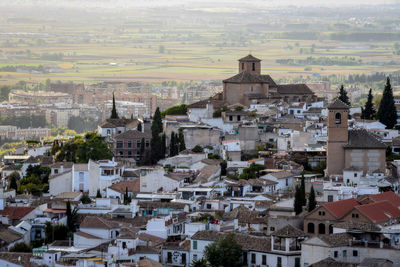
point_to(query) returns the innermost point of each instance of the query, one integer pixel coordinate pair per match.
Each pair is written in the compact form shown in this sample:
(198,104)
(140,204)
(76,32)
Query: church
(351,148)
(249,86)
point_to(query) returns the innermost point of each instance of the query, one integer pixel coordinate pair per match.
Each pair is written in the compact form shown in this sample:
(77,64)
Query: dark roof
(336,240)
(98,222)
(9,236)
(356,225)
(294,89)
(32,159)
(203,103)
(16,213)
(161,205)
(250,58)
(362,139)
(375,262)
(18,258)
(133,134)
(207,235)
(289,231)
(248,77)
(111,123)
(131,185)
(329,262)
(338,104)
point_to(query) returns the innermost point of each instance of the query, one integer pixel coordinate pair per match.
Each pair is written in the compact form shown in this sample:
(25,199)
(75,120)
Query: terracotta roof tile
(341,207)
(294,89)
(16,213)
(380,211)
(338,104)
(98,222)
(389,195)
(131,185)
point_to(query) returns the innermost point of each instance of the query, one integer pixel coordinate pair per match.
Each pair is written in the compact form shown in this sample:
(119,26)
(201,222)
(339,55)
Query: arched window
(338,118)
(310,228)
(321,229)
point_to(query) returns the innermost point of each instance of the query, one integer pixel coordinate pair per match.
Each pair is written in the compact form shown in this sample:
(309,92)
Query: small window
(208,206)
(335,254)
(230,118)
(279,262)
(253,258)
(355,174)
(253,66)
(194,245)
(272,228)
(264,259)
(129,144)
(242,66)
(344,253)
(338,118)
(355,253)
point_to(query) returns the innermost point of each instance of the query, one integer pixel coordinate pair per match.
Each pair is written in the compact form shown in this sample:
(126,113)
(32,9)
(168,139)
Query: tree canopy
(80,150)
(226,252)
(175,110)
(387,113)
(343,96)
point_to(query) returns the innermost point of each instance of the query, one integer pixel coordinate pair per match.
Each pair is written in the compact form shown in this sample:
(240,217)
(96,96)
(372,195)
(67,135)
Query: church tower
(338,136)
(250,64)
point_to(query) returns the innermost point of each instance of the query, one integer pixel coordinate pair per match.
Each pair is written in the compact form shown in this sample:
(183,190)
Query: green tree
(343,95)
(156,143)
(85,199)
(72,217)
(198,149)
(181,140)
(173,145)
(368,112)
(303,191)
(139,127)
(223,165)
(298,205)
(14,177)
(21,247)
(387,113)
(127,198)
(226,252)
(199,263)
(311,200)
(114,113)
(142,152)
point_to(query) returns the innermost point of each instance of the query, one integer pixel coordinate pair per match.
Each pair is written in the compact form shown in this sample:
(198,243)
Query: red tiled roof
(380,211)
(340,208)
(16,213)
(132,185)
(389,195)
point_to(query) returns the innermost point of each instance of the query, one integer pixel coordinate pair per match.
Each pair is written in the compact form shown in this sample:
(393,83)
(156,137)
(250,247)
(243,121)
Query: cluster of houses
(258,141)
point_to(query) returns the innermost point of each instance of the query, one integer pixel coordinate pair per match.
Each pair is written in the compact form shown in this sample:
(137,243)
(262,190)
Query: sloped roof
(389,195)
(98,222)
(357,225)
(248,77)
(362,139)
(131,185)
(380,211)
(295,88)
(289,231)
(86,235)
(203,103)
(9,236)
(329,262)
(155,240)
(133,134)
(338,104)
(336,240)
(341,207)
(16,213)
(249,58)
(122,122)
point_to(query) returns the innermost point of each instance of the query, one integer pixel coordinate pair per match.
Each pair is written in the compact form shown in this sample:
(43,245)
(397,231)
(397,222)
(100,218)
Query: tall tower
(338,136)
(250,64)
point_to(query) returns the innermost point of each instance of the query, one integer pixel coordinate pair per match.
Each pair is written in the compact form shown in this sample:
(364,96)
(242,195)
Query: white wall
(60,184)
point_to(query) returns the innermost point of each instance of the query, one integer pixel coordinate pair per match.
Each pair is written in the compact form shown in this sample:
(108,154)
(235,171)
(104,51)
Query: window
(279,262)
(253,258)
(354,215)
(208,206)
(253,66)
(264,259)
(169,257)
(335,254)
(129,144)
(120,144)
(321,213)
(310,228)
(338,118)
(81,175)
(238,118)
(184,258)
(230,118)
(242,66)
(272,228)
(344,253)
(147,143)
(296,262)
(330,198)
(321,229)
(129,153)
(355,253)
(355,174)
(195,257)
(108,132)
(138,143)
(194,244)
(287,182)
(55,171)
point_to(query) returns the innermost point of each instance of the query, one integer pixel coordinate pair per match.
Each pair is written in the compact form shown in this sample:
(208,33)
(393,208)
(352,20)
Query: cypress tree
(156,140)
(163,145)
(343,95)
(303,191)
(127,199)
(13,181)
(114,114)
(181,137)
(139,127)
(172,144)
(298,207)
(387,113)
(368,112)
(142,156)
(311,200)
(69,216)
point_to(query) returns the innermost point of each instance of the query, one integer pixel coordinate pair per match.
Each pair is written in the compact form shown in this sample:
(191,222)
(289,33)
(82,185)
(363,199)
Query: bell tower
(338,136)
(250,64)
